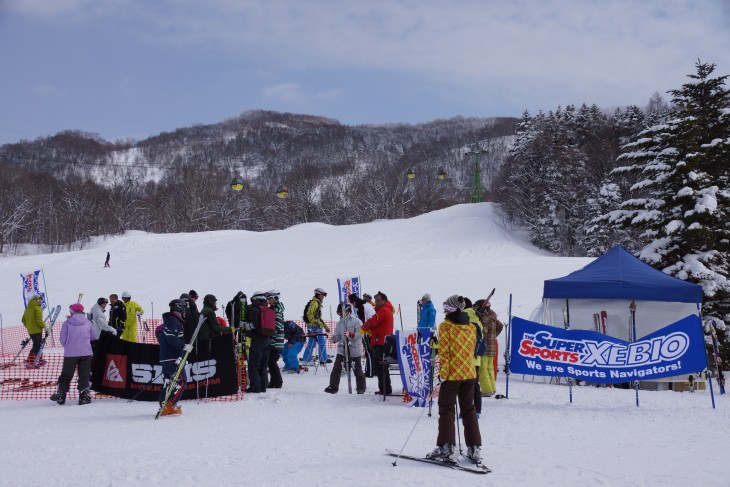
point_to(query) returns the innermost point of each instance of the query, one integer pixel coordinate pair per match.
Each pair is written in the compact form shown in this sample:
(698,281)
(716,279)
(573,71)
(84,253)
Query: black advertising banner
(123,368)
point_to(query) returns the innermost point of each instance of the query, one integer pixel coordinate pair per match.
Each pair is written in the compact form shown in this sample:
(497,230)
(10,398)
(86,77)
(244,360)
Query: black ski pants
(36,339)
(70,364)
(258,363)
(381,369)
(463,390)
(275,380)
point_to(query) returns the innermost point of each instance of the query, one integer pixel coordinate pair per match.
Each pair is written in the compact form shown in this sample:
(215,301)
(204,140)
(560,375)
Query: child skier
(295,339)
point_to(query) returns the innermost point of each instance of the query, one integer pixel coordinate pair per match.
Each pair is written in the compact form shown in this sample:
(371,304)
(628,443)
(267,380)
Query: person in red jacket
(380,325)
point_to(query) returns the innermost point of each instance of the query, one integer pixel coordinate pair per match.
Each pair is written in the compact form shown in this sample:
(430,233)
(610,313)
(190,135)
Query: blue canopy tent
(619,275)
(597,297)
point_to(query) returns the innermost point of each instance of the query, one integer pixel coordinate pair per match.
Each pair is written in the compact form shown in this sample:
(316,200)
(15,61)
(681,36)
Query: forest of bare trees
(59,191)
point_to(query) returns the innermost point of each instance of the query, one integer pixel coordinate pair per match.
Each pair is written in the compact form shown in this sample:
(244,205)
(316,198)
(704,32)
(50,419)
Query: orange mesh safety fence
(22,383)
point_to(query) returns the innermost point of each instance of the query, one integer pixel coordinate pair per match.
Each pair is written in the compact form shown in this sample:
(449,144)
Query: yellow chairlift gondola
(237,184)
(442,174)
(282,191)
(411,174)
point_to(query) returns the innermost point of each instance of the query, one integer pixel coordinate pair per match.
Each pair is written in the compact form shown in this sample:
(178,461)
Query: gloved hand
(325,327)
(114,332)
(178,361)
(188,348)
(350,334)
(48,328)
(139,314)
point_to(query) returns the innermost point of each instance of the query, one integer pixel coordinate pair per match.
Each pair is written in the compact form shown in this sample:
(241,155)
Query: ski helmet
(273,294)
(126,294)
(178,305)
(258,297)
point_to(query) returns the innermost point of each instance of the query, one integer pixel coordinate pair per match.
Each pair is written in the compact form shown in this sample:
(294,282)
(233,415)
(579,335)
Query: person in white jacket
(99,321)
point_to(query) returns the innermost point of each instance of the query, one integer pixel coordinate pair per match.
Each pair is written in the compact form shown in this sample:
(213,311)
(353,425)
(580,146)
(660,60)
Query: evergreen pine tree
(682,204)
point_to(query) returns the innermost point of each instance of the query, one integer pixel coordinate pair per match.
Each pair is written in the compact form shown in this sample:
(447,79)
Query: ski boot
(444,453)
(170,410)
(84,398)
(59,397)
(330,390)
(474,455)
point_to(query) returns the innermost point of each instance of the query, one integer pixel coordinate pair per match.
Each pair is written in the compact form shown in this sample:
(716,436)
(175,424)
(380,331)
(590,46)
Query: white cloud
(284,92)
(551,51)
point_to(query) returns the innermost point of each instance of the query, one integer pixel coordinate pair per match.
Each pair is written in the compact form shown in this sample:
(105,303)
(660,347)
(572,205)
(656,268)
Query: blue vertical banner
(675,350)
(31,286)
(414,361)
(347,286)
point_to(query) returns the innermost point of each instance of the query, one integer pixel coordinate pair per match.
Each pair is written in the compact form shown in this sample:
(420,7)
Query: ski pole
(400,314)
(458,430)
(430,379)
(409,437)
(507,353)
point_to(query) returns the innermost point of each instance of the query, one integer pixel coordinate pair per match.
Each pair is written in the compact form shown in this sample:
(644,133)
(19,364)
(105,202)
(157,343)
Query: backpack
(267,322)
(481,347)
(90,317)
(306,307)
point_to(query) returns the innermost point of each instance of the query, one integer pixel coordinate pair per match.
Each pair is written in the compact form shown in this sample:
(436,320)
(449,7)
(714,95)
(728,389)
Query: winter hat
(367,297)
(192,293)
(76,308)
(185,296)
(101,301)
(36,297)
(454,303)
(426,297)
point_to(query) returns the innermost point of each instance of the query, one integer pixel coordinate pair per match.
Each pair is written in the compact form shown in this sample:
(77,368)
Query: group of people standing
(79,336)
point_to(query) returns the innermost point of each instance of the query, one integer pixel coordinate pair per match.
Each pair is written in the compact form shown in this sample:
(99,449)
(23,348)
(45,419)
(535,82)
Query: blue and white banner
(31,286)
(414,361)
(347,286)
(677,349)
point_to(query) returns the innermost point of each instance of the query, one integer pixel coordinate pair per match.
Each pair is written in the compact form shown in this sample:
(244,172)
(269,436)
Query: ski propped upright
(478,469)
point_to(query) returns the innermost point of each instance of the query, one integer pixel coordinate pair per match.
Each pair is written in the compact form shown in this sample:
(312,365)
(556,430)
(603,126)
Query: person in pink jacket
(77,333)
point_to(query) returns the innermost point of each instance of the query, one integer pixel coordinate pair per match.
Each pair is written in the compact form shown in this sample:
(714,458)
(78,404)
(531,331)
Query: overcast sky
(134,68)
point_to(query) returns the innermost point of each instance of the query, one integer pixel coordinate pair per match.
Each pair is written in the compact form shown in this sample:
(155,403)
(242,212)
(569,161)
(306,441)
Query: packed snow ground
(298,435)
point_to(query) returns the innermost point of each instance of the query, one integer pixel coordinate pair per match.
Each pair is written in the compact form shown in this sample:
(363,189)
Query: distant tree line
(60,191)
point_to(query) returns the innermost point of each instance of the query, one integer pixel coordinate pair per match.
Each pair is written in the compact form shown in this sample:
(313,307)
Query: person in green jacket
(210,326)
(33,321)
(134,312)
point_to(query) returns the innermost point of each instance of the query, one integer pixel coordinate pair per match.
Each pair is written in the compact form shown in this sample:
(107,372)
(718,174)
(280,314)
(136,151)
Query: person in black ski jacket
(233,309)
(117,314)
(210,327)
(192,316)
(172,348)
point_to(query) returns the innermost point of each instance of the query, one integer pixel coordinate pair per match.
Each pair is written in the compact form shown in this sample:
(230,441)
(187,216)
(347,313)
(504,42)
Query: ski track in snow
(300,435)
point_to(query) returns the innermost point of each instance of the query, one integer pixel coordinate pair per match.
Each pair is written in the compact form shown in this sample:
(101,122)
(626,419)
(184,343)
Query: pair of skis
(599,322)
(472,468)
